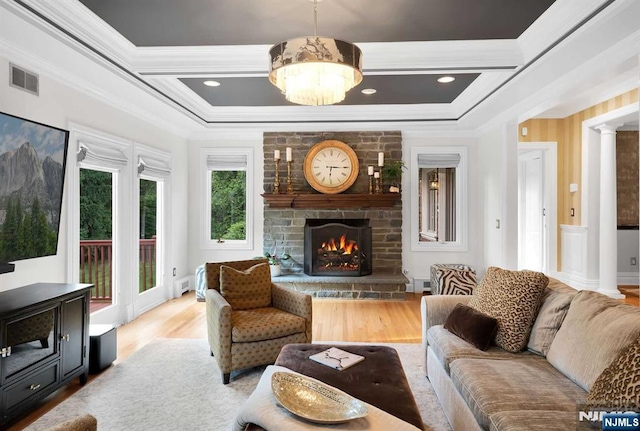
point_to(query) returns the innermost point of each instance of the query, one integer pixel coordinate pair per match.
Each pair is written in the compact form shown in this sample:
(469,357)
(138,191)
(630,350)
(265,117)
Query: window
(438,216)
(227,213)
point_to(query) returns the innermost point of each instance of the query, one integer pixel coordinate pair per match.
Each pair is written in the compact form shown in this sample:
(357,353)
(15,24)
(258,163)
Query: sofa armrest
(219,328)
(294,302)
(434,310)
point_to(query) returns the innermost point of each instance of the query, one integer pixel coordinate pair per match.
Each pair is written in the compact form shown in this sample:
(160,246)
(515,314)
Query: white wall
(418,263)
(58,105)
(198,255)
(491,177)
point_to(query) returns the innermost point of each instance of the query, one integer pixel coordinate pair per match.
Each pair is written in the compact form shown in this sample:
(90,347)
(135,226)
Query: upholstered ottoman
(378,380)
(452,279)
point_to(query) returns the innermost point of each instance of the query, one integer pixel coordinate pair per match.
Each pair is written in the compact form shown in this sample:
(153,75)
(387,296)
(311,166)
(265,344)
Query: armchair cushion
(245,290)
(212,270)
(264,324)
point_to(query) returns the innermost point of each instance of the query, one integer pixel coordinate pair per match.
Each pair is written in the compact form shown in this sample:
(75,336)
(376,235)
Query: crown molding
(390,57)
(424,129)
(78,20)
(555,22)
(65,64)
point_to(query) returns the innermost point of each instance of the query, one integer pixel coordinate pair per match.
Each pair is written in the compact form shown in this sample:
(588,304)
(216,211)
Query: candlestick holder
(370,184)
(289,185)
(378,186)
(276,181)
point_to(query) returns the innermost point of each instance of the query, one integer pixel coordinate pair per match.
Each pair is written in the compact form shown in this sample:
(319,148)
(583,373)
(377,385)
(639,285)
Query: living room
(573,69)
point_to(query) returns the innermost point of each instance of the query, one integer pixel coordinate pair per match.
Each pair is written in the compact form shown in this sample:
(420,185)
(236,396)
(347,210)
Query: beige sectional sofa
(575,336)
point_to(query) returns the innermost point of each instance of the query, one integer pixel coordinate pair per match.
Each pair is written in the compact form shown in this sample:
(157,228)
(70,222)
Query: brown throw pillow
(472,326)
(248,289)
(512,297)
(618,387)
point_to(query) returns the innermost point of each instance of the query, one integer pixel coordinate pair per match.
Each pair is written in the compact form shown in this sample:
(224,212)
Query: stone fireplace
(340,248)
(284,224)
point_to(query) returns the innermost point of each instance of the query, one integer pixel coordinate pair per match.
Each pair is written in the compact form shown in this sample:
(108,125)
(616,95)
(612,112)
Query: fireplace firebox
(337,247)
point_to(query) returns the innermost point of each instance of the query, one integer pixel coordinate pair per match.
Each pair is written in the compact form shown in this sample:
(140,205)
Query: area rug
(174,384)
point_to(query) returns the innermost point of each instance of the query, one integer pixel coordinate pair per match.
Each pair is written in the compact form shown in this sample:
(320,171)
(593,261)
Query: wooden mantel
(322,201)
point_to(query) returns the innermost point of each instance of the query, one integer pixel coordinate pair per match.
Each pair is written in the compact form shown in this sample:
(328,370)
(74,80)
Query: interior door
(531,211)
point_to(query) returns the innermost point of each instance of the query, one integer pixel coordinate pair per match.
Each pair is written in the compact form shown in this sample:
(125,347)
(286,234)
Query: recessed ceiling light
(446,79)
(211,83)
(369,91)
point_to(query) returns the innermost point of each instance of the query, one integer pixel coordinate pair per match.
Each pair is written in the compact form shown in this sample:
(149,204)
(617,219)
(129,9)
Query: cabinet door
(73,334)
(28,339)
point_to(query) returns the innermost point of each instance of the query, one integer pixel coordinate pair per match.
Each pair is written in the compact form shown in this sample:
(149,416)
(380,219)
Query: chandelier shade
(315,70)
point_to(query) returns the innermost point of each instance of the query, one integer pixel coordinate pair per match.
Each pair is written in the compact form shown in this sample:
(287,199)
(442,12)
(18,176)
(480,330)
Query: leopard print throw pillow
(619,384)
(513,298)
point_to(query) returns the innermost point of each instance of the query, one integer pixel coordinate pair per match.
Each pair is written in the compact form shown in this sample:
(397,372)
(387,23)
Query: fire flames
(343,246)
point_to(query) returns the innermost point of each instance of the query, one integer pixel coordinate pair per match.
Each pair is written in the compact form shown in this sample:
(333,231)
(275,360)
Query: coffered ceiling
(169,48)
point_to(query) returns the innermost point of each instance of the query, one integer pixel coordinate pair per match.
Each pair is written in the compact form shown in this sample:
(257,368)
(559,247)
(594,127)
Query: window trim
(205,212)
(461,243)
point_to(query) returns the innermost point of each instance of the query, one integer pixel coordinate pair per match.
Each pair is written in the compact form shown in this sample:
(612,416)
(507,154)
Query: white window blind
(432,160)
(101,155)
(151,166)
(227,162)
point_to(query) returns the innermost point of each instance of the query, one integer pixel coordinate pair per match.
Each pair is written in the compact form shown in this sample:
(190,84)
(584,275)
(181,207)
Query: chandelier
(315,70)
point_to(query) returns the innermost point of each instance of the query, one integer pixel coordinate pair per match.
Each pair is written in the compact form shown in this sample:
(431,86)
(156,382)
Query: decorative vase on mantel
(276,269)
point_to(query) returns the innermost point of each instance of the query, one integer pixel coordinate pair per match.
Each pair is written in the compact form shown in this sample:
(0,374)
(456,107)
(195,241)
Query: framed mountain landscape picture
(32,168)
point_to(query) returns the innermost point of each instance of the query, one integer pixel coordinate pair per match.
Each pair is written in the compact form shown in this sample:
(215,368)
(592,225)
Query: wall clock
(331,167)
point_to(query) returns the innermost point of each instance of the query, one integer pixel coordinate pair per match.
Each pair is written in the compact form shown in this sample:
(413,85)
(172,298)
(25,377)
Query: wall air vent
(23,79)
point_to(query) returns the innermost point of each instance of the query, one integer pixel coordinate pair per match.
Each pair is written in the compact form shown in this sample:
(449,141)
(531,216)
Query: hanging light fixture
(315,70)
(434,184)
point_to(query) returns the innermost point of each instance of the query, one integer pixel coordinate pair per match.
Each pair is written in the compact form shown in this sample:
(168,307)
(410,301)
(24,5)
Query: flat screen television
(32,167)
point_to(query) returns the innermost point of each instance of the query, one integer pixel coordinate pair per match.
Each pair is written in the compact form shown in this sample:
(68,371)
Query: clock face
(331,167)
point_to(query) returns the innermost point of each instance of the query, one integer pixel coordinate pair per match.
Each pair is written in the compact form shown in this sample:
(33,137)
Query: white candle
(370,170)
(380,159)
(276,155)
(376,175)
(289,154)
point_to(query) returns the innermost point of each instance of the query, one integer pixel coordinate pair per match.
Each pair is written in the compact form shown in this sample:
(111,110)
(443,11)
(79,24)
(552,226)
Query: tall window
(148,231)
(438,216)
(96,235)
(227,216)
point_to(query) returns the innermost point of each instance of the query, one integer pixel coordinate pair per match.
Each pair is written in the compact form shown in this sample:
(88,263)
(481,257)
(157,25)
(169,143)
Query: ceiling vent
(23,79)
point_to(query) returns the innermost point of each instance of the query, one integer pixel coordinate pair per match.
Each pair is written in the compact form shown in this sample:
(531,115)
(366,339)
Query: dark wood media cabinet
(44,339)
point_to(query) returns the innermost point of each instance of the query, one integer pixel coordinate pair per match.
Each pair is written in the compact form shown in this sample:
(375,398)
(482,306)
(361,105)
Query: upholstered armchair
(249,319)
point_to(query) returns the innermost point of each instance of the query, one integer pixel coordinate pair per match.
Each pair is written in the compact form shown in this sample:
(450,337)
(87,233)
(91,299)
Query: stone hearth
(376,286)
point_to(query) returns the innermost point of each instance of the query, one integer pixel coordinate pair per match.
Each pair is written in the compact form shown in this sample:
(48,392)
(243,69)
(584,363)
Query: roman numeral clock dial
(331,167)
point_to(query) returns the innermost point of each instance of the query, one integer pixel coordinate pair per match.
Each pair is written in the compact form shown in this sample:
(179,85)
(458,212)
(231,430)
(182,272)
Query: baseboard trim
(577,282)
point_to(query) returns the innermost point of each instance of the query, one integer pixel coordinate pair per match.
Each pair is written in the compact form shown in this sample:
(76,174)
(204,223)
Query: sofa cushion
(555,303)
(489,386)
(448,347)
(472,326)
(248,289)
(619,384)
(264,324)
(528,420)
(597,328)
(512,297)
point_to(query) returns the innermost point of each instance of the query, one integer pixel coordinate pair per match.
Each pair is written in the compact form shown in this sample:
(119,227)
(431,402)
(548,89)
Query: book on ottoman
(336,358)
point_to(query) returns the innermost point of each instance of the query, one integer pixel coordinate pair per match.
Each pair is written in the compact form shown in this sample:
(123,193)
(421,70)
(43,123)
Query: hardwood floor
(370,321)
(334,320)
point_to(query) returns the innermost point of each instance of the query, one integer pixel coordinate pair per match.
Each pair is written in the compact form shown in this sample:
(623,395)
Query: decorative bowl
(315,401)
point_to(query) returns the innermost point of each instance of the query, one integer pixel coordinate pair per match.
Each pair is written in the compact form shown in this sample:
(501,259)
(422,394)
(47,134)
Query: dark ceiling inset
(391,89)
(251,22)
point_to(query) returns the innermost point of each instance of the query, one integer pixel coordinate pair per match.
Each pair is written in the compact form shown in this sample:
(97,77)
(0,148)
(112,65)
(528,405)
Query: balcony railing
(96,267)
